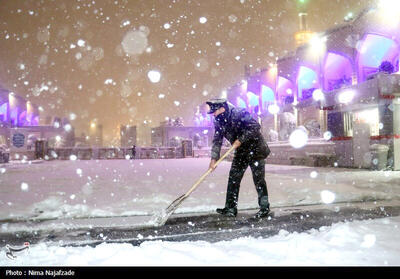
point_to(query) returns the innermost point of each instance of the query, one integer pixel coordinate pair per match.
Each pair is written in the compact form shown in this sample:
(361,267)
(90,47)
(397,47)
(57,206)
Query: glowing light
(224,94)
(318,44)
(371,117)
(346,97)
(390,11)
(273,109)
(244,85)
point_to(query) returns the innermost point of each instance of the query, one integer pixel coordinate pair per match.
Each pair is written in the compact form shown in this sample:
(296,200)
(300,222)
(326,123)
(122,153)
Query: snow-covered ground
(70,189)
(360,243)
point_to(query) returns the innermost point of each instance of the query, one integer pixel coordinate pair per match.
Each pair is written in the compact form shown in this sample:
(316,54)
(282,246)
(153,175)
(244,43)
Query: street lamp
(318,45)
(389,12)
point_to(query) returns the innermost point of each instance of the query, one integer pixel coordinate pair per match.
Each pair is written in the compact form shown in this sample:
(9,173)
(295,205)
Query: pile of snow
(360,243)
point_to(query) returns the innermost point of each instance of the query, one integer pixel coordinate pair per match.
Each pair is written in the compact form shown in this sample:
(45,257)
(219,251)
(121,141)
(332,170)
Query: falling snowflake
(298,138)
(154,76)
(135,42)
(73,157)
(203,20)
(327,196)
(313,174)
(24,186)
(81,43)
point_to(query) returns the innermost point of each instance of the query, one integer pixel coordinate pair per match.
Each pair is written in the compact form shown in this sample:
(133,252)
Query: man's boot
(263,212)
(227,211)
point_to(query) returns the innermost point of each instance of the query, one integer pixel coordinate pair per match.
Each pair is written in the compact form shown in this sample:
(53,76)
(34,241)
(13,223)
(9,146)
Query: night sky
(91,58)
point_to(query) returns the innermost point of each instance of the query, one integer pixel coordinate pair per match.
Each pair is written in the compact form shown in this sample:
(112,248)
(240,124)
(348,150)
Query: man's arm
(216,143)
(249,126)
(216,146)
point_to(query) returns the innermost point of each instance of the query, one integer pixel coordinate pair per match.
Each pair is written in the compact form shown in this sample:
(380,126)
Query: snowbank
(360,243)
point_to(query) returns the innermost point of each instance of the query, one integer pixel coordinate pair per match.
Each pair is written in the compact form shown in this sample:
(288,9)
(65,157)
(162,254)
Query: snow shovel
(160,220)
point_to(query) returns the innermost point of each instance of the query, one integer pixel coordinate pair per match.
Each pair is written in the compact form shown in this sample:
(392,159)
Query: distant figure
(133,151)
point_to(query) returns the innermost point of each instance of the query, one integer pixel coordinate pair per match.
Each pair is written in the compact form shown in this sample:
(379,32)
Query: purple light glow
(35,121)
(267,97)
(241,103)
(22,118)
(337,71)
(3,112)
(373,50)
(253,102)
(284,89)
(307,80)
(252,99)
(14,116)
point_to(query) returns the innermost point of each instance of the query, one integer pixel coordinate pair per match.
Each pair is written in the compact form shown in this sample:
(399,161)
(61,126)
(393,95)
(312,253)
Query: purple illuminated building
(20,128)
(344,84)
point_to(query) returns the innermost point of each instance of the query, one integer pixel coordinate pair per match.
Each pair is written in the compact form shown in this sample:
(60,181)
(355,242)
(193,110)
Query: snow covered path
(76,189)
(60,194)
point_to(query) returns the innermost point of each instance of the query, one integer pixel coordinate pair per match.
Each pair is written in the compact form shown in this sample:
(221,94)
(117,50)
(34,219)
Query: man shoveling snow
(243,132)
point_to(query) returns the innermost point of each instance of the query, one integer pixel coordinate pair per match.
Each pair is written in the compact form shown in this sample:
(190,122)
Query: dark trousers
(238,168)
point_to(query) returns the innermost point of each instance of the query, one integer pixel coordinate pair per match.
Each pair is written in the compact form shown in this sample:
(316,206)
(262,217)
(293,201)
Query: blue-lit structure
(345,80)
(20,127)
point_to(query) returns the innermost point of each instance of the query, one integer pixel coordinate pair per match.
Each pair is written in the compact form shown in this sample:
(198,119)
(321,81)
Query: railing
(88,153)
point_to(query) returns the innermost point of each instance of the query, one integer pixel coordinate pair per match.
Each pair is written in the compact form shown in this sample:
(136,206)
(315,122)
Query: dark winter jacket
(237,124)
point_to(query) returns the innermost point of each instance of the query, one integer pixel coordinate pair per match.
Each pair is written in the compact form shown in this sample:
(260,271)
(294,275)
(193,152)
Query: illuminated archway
(307,82)
(253,102)
(267,97)
(374,50)
(285,90)
(4,112)
(22,118)
(241,103)
(14,116)
(337,70)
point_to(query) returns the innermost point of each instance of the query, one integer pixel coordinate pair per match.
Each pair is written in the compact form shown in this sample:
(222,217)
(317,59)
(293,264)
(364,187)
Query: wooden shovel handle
(209,171)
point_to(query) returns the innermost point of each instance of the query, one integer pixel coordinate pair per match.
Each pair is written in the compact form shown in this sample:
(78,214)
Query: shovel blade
(162,218)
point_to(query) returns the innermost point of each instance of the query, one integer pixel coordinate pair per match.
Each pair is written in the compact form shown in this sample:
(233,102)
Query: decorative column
(396,133)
